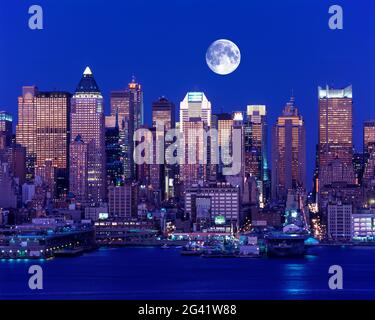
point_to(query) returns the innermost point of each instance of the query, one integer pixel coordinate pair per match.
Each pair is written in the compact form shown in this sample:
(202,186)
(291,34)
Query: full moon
(223,57)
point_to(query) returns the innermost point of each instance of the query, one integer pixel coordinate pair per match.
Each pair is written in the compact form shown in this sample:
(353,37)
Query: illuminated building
(87,121)
(256,160)
(79,170)
(213,207)
(223,122)
(368,136)
(122,107)
(193,170)
(6,127)
(136,92)
(163,111)
(369,158)
(363,225)
(195,105)
(288,152)
(335,135)
(43,129)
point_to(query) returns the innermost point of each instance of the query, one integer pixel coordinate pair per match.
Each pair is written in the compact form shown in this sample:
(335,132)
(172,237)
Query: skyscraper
(164,114)
(256,160)
(368,137)
(223,123)
(193,171)
(195,105)
(114,165)
(288,152)
(6,125)
(335,136)
(164,111)
(195,119)
(87,121)
(126,105)
(44,130)
(79,170)
(136,92)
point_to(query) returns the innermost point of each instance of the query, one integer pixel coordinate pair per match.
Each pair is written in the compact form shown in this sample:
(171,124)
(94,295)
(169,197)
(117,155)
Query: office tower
(164,111)
(114,165)
(256,140)
(43,129)
(236,174)
(87,121)
(163,114)
(288,152)
(122,107)
(6,127)
(195,105)
(223,123)
(368,138)
(193,171)
(79,170)
(195,120)
(136,92)
(335,136)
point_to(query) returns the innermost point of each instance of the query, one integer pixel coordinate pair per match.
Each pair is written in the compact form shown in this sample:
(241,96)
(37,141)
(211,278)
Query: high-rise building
(163,114)
(368,138)
(193,171)
(195,105)
(6,129)
(122,107)
(256,140)
(87,121)
(335,135)
(195,120)
(79,170)
(113,150)
(223,123)
(288,152)
(136,92)
(44,130)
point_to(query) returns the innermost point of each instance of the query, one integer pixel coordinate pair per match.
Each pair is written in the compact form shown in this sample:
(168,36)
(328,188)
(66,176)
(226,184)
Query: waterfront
(154,273)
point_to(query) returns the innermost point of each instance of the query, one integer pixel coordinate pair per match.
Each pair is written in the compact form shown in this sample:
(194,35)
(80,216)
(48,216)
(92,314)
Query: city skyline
(268,73)
(186,110)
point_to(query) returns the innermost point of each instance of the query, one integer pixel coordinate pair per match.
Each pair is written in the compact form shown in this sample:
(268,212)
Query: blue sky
(284,45)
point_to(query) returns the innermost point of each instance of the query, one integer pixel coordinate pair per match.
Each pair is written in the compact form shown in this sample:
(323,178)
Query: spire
(87,71)
(88,83)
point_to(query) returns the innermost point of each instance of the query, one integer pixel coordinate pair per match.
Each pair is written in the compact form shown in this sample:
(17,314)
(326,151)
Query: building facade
(87,121)
(288,152)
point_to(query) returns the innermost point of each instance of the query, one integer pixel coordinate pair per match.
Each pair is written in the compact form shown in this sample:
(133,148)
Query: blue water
(154,273)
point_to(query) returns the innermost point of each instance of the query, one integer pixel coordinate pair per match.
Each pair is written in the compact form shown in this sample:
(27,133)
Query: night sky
(285,45)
